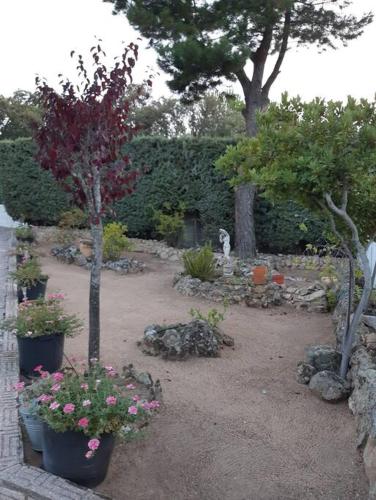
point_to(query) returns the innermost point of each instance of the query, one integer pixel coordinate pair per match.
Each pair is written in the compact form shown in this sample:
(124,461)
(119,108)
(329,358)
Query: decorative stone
(369,458)
(305,372)
(329,386)
(323,357)
(179,340)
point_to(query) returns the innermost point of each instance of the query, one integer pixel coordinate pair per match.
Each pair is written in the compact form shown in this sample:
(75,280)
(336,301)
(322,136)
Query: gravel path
(234,428)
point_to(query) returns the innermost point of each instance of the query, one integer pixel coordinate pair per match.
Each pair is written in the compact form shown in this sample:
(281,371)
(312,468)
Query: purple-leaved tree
(80,141)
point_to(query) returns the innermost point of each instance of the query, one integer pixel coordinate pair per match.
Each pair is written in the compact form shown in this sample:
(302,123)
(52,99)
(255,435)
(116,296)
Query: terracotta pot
(86,248)
(259,275)
(278,278)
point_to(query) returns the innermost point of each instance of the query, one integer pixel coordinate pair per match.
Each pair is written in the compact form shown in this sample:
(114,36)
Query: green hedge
(177,170)
(174,170)
(28,192)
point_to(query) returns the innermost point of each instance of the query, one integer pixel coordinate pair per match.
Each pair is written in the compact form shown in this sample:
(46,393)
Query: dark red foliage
(84,129)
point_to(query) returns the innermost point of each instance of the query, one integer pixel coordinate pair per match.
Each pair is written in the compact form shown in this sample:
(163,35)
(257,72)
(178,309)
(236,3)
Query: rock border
(19,481)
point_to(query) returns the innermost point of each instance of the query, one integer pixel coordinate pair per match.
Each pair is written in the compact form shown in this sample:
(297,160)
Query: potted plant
(31,282)
(25,233)
(41,327)
(23,253)
(30,398)
(82,414)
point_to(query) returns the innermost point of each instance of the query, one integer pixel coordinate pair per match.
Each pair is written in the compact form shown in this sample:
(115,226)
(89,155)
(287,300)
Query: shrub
(114,241)
(29,193)
(169,225)
(200,263)
(73,219)
(213,318)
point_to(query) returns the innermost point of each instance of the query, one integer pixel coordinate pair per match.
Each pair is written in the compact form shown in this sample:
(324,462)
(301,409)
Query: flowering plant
(29,273)
(91,403)
(43,317)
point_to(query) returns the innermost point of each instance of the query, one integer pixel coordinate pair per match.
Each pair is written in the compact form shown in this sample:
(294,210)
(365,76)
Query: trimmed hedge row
(173,171)
(28,192)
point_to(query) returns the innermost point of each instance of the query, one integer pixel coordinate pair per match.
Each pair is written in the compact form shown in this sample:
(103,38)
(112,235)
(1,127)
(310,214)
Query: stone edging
(19,481)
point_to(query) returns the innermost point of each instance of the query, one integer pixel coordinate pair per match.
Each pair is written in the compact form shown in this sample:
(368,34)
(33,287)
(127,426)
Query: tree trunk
(94,296)
(245,236)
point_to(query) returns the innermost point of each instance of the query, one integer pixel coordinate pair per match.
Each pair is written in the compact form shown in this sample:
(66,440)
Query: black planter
(46,350)
(64,456)
(34,292)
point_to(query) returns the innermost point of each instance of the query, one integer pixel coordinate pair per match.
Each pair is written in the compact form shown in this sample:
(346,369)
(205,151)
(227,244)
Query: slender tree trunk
(94,296)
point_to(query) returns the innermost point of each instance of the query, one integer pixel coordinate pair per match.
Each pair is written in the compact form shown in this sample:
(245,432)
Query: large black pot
(46,350)
(34,292)
(64,455)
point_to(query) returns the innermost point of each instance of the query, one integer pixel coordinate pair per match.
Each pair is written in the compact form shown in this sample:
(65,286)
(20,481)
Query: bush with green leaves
(200,263)
(29,193)
(115,241)
(169,222)
(73,219)
(213,317)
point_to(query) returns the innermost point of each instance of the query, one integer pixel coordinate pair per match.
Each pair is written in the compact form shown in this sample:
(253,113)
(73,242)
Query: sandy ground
(234,428)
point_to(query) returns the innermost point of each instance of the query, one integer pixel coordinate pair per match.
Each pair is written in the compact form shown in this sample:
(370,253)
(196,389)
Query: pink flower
(154,404)
(136,398)
(132,410)
(43,374)
(85,387)
(19,386)
(55,296)
(110,371)
(109,368)
(83,422)
(89,454)
(38,368)
(87,402)
(130,386)
(93,444)
(69,408)
(54,406)
(56,387)
(111,400)
(58,376)
(45,398)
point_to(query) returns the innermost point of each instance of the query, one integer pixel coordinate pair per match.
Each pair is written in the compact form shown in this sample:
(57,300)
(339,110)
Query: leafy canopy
(305,151)
(200,42)
(19,114)
(84,128)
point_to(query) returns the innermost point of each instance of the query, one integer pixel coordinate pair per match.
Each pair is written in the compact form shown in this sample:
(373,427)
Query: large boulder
(179,340)
(329,386)
(323,357)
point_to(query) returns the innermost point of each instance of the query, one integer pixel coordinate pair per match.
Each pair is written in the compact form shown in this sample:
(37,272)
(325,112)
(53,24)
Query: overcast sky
(36,36)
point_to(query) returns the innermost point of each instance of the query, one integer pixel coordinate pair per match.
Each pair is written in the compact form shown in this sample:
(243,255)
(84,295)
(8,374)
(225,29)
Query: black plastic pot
(46,350)
(64,455)
(34,292)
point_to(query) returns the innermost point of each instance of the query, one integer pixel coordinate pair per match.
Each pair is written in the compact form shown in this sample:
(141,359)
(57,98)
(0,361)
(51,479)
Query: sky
(36,37)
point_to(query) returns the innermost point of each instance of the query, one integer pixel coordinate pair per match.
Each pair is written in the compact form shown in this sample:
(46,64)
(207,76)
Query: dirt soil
(238,427)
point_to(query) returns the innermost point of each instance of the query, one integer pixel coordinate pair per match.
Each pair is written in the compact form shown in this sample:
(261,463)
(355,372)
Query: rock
(329,386)
(323,357)
(369,321)
(179,340)
(315,296)
(369,458)
(305,372)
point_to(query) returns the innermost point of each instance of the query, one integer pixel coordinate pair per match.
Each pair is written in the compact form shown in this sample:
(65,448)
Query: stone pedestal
(228,269)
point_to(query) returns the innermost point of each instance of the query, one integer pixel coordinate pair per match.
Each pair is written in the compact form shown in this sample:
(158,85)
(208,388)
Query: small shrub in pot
(30,280)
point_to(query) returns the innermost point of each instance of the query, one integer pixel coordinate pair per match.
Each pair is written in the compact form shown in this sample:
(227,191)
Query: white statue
(224,238)
(371,255)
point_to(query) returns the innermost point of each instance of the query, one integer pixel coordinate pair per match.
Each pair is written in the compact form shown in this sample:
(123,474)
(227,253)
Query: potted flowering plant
(29,397)
(82,413)
(25,233)
(30,280)
(24,251)
(41,327)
